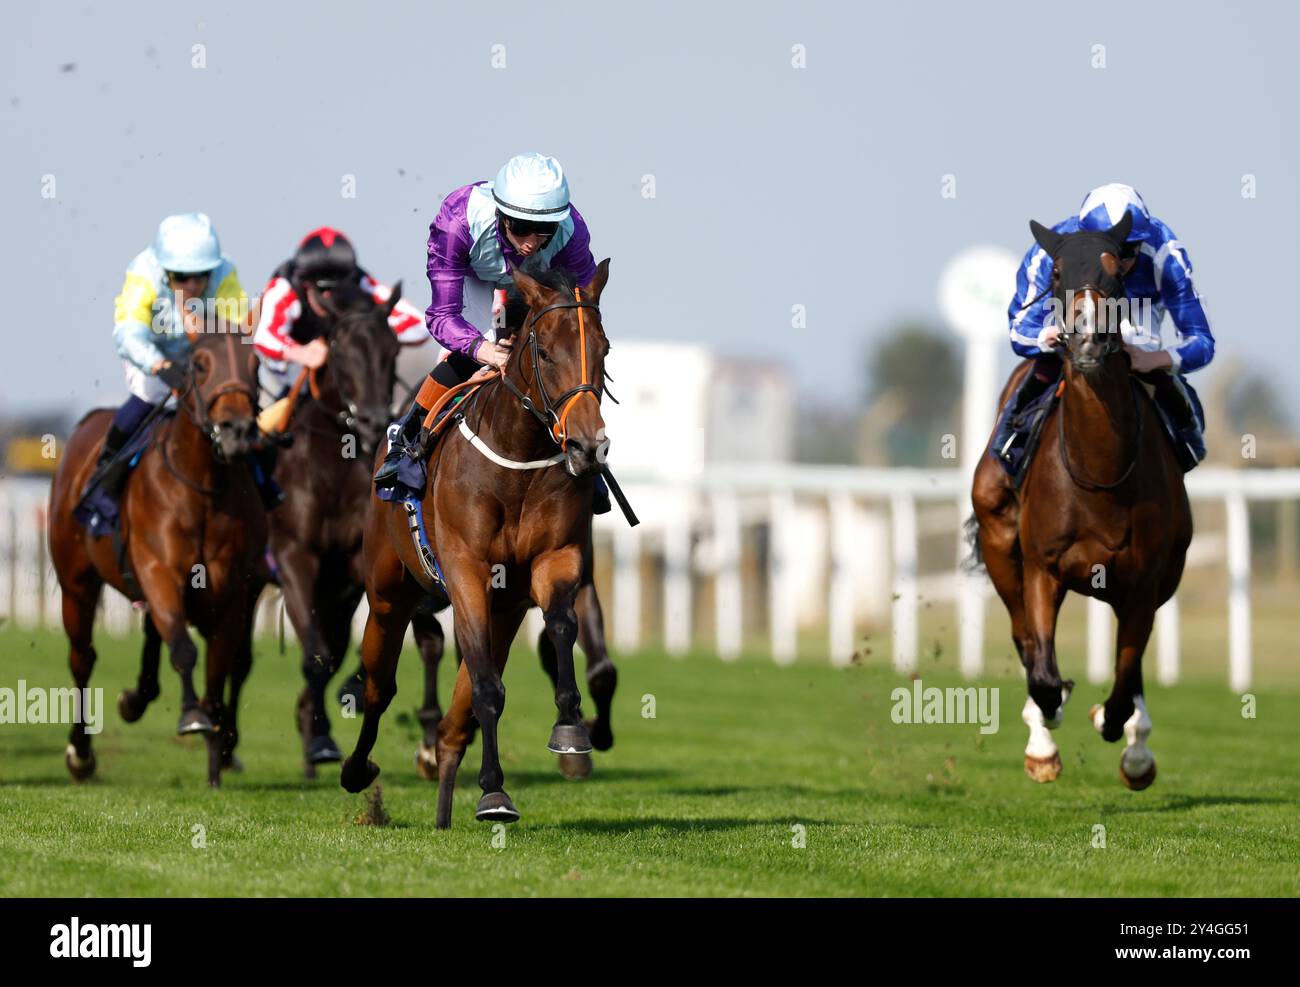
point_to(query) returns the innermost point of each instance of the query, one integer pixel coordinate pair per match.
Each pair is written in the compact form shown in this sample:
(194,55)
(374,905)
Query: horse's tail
(974,561)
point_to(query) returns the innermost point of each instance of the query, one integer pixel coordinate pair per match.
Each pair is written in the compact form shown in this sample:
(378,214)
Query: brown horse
(325,473)
(509,530)
(193,530)
(1102,509)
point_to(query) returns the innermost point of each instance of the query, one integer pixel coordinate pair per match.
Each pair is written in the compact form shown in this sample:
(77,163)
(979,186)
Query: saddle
(412,477)
(99,509)
(1026,427)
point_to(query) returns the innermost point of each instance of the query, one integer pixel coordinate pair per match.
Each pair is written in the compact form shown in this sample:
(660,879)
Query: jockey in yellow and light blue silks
(184,264)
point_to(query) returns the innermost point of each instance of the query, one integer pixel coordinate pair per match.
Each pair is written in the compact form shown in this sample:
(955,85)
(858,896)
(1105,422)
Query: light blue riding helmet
(1105,206)
(532,186)
(187,243)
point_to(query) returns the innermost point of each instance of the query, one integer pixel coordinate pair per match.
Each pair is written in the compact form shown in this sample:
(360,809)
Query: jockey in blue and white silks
(1160,283)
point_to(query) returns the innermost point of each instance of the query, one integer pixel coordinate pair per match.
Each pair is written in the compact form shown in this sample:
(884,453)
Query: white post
(8,521)
(677,581)
(1238,591)
(727,594)
(904,630)
(1167,642)
(27,572)
(627,588)
(534,624)
(840,526)
(782,599)
(1101,641)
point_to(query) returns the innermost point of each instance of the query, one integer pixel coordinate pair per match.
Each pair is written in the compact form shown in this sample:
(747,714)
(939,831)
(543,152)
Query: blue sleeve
(1025,324)
(1195,346)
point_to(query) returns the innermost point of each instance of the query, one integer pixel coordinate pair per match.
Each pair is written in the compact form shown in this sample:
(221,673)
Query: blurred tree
(914,382)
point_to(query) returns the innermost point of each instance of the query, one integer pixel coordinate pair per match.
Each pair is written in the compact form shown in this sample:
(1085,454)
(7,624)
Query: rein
(553,420)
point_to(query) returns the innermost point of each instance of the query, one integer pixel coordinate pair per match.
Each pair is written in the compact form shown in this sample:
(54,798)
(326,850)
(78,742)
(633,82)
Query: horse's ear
(534,293)
(1119,232)
(394,297)
(1049,240)
(597,285)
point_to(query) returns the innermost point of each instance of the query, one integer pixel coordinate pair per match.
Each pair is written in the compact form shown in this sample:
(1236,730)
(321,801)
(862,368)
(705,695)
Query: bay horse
(508,530)
(193,530)
(325,473)
(1101,511)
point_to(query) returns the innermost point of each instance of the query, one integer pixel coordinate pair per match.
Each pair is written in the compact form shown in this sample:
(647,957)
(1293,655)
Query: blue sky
(774,186)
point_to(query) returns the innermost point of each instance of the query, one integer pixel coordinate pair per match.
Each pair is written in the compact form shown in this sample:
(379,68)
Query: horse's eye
(543,355)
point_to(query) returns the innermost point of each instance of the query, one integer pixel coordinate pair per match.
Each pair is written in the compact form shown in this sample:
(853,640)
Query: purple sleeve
(448,266)
(575,256)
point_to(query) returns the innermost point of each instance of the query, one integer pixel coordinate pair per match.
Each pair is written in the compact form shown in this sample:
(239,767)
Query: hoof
(131,705)
(569,739)
(323,750)
(194,720)
(357,777)
(79,768)
(496,807)
(575,767)
(1097,715)
(1143,780)
(1043,769)
(426,762)
(232,763)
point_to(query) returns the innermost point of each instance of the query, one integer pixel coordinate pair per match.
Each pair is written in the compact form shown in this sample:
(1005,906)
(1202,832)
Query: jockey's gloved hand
(172,374)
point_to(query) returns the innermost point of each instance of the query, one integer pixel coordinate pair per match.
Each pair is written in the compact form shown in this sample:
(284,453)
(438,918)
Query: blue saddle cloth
(1025,428)
(99,510)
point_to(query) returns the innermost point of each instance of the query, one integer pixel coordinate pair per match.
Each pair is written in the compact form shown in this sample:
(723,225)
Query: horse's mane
(549,277)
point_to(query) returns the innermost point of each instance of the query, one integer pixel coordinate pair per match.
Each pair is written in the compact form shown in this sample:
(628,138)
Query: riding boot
(111,480)
(402,435)
(600,499)
(1174,396)
(1034,383)
(405,437)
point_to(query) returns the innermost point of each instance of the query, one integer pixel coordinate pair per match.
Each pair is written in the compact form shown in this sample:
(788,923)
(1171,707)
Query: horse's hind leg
(79,602)
(429,639)
(164,590)
(132,703)
(602,676)
(1048,694)
(1125,713)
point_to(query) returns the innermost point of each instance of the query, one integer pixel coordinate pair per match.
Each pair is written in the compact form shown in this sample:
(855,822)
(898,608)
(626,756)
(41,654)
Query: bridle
(348,417)
(1111,347)
(199,411)
(554,413)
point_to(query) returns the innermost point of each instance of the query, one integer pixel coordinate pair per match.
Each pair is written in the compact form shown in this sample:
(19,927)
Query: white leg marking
(1041,745)
(1137,757)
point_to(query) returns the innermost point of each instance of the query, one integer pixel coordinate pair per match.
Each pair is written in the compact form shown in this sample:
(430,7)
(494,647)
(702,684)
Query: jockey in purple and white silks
(1159,283)
(480,235)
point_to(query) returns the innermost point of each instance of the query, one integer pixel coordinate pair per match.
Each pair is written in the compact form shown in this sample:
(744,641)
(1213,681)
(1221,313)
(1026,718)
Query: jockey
(290,334)
(1158,280)
(482,232)
(184,267)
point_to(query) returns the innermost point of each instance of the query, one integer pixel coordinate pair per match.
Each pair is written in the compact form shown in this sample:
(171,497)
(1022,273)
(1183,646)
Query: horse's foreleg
(1125,713)
(1047,693)
(555,579)
(79,602)
(223,654)
(454,731)
(429,640)
(471,600)
(132,703)
(164,589)
(299,572)
(238,674)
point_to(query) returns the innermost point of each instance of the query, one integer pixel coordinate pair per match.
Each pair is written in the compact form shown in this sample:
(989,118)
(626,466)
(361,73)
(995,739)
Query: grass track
(699,800)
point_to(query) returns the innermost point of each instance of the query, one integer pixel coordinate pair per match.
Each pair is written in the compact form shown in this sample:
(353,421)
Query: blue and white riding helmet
(533,187)
(1105,206)
(187,243)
